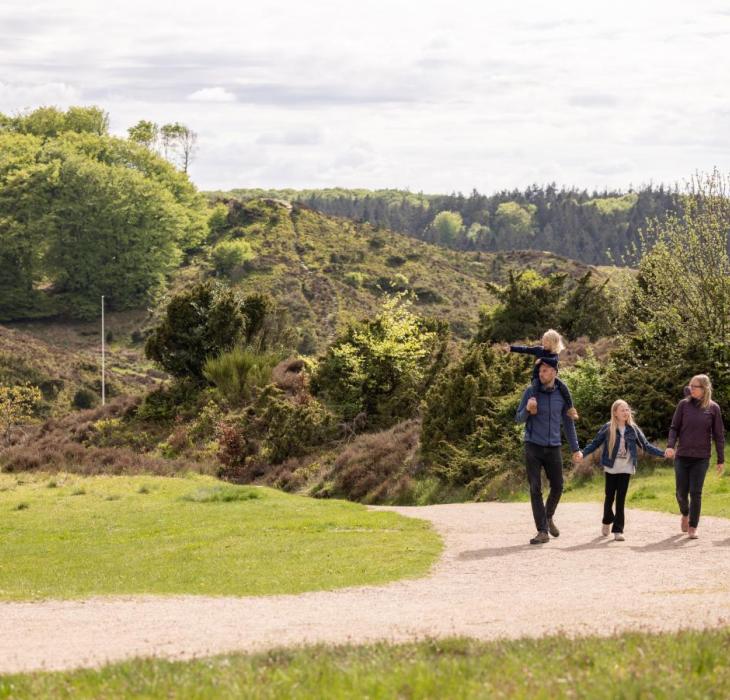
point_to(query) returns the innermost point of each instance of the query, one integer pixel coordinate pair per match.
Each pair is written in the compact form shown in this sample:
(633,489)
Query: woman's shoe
(685,523)
(692,533)
(605,529)
(618,536)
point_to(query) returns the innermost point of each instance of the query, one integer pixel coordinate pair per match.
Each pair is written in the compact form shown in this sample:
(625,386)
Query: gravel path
(489,584)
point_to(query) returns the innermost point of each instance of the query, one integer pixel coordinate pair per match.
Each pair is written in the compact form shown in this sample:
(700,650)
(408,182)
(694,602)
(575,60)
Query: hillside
(329,270)
(594,227)
(64,361)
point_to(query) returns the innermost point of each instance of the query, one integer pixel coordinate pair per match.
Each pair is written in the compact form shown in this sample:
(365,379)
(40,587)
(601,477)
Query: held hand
(532,405)
(720,469)
(578,457)
(669,453)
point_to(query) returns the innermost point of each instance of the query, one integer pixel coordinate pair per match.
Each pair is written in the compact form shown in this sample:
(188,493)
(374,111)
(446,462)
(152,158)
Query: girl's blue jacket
(633,437)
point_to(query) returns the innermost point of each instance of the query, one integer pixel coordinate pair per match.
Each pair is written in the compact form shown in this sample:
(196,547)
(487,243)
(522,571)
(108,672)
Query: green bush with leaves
(293,425)
(588,382)
(380,368)
(681,307)
(229,256)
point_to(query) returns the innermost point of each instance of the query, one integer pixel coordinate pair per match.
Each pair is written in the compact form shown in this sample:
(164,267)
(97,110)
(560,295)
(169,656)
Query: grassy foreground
(686,665)
(67,536)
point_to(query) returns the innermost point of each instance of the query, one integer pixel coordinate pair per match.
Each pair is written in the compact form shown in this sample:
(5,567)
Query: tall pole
(103,355)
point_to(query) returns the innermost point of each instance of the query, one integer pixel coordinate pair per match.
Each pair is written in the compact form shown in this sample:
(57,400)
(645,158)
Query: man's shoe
(618,536)
(540,538)
(605,529)
(692,533)
(553,528)
(684,524)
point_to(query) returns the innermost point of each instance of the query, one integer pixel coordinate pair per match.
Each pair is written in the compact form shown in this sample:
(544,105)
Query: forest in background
(599,228)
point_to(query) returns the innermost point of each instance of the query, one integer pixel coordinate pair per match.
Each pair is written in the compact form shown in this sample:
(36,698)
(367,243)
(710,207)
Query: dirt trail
(488,584)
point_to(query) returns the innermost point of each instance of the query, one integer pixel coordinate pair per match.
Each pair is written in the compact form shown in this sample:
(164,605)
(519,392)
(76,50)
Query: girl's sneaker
(684,523)
(618,536)
(605,529)
(692,533)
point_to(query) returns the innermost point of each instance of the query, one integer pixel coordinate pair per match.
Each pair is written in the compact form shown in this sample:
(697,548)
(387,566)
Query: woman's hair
(704,380)
(552,341)
(613,423)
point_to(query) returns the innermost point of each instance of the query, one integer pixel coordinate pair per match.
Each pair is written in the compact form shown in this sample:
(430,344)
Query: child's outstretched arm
(536,350)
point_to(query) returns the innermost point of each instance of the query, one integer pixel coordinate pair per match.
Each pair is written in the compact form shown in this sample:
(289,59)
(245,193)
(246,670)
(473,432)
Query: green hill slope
(327,270)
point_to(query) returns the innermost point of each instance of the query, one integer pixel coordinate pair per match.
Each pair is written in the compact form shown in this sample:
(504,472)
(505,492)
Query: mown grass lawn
(653,487)
(66,536)
(687,665)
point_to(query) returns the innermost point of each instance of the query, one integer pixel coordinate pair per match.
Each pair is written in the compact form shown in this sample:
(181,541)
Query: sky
(431,96)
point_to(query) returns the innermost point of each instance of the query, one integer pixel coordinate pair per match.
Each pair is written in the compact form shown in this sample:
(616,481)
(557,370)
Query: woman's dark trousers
(690,476)
(538,458)
(616,487)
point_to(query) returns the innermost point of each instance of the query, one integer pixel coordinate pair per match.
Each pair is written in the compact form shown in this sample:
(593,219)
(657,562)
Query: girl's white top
(622,464)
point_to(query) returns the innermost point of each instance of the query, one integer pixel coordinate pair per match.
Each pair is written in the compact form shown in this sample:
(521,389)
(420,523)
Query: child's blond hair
(552,341)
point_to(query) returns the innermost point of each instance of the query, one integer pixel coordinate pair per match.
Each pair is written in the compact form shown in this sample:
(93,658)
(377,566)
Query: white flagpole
(103,354)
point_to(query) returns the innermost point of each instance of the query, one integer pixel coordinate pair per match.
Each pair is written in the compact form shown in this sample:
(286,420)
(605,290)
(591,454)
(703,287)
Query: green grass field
(67,536)
(687,665)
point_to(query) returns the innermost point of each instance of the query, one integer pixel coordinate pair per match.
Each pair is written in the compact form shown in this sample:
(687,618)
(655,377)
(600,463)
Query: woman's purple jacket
(696,428)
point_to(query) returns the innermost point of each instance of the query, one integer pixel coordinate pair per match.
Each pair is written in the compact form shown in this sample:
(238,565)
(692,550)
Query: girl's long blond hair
(613,424)
(704,380)
(552,341)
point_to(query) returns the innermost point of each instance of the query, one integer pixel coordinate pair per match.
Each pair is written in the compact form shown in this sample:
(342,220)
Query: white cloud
(14,96)
(457,95)
(214,94)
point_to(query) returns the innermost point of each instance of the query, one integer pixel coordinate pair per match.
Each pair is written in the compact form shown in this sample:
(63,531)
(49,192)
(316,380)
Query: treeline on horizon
(599,228)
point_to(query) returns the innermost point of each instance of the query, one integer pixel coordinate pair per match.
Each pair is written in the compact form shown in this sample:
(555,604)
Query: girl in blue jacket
(620,438)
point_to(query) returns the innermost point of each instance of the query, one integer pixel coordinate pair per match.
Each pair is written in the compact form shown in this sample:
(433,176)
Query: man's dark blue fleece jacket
(544,428)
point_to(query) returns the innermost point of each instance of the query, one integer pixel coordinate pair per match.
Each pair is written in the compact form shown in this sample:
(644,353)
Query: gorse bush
(380,368)
(469,434)
(239,372)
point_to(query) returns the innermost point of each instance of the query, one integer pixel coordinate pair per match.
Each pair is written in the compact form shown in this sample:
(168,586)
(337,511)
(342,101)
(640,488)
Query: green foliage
(84,398)
(595,227)
(681,306)
(588,382)
(469,434)
(17,404)
(237,373)
(447,226)
(528,306)
(587,310)
(84,214)
(381,367)
(293,425)
(197,324)
(514,225)
(228,256)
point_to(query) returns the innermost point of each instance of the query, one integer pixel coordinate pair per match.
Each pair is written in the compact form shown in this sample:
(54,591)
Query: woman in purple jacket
(696,423)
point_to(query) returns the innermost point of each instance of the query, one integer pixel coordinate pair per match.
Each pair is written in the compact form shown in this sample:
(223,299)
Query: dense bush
(227,256)
(197,324)
(380,368)
(469,433)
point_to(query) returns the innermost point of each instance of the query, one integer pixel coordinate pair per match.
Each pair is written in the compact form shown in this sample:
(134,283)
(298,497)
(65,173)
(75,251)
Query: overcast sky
(431,96)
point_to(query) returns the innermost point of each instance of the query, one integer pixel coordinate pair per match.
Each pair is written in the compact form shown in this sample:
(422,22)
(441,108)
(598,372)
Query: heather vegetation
(322,355)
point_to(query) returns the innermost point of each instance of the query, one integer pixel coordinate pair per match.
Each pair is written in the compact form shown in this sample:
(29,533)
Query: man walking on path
(544,414)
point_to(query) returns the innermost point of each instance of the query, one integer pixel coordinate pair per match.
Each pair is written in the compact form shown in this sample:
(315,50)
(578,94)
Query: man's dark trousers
(550,459)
